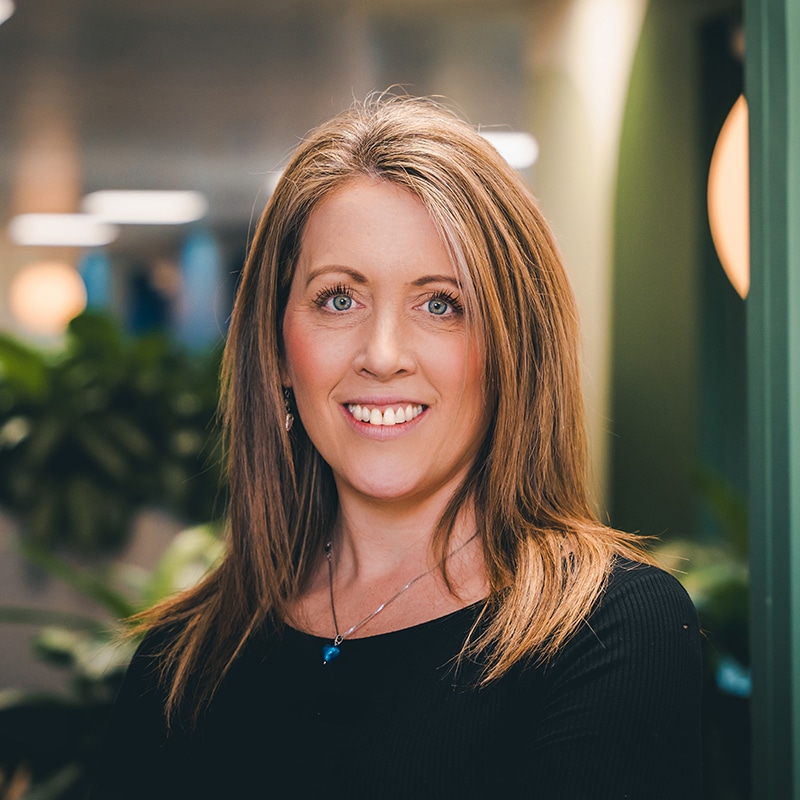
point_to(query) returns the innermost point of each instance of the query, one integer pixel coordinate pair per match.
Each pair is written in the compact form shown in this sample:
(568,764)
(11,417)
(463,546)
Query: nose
(386,351)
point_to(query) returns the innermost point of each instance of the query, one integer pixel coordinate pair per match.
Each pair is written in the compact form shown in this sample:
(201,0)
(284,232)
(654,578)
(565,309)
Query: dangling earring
(287,404)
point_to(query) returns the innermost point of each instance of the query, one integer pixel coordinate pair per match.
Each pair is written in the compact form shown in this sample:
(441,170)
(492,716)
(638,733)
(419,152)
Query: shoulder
(643,605)
(644,624)
(136,729)
(625,690)
(637,590)
(142,694)
(150,654)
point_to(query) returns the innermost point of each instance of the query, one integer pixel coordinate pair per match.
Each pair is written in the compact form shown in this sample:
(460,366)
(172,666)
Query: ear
(286,381)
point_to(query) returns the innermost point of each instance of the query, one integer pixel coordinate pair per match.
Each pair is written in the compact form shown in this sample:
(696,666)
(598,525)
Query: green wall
(654,351)
(661,254)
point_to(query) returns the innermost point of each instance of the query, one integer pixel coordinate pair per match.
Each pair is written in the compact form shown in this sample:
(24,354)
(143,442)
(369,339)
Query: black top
(614,715)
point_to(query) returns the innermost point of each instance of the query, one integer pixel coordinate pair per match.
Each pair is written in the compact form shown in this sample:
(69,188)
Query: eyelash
(332,291)
(340,289)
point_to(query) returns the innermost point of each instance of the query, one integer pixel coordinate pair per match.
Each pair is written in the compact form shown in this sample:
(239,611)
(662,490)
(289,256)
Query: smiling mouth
(390,416)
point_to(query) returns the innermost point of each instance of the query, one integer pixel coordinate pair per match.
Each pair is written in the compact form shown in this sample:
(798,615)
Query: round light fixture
(45,296)
(729,198)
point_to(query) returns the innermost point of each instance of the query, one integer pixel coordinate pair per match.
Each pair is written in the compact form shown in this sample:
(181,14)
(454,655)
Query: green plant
(715,574)
(107,423)
(47,741)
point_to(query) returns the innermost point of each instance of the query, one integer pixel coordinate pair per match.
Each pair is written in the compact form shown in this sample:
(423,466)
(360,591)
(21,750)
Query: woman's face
(386,379)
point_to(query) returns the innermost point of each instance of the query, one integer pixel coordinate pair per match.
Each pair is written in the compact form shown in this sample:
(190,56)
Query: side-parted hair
(547,556)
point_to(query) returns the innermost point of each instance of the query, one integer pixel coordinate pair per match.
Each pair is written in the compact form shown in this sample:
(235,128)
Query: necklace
(332,651)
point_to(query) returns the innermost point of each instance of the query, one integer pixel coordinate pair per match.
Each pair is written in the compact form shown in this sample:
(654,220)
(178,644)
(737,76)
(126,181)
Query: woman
(416,600)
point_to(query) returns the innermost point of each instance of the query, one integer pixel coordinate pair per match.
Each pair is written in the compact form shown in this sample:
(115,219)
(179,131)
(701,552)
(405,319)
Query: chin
(386,492)
(380,486)
(394,488)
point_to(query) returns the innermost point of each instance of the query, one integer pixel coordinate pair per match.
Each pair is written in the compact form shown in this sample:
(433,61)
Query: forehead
(375,226)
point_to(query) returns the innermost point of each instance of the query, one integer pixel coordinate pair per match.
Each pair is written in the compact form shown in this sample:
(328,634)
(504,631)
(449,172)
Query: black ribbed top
(615,715)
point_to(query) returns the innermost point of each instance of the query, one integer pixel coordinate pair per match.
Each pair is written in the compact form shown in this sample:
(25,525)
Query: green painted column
(772,86)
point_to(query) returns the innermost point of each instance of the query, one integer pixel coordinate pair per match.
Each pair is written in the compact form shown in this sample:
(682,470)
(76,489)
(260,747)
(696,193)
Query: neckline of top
(471,608)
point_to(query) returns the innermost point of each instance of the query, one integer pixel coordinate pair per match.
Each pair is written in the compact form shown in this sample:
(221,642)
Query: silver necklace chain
(331,651)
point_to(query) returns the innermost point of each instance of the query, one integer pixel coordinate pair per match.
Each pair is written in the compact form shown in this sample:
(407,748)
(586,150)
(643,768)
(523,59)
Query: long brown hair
(547,556)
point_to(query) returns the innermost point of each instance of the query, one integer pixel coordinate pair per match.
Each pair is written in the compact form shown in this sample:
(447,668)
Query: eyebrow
(358,277)
(426,279)
(355,275)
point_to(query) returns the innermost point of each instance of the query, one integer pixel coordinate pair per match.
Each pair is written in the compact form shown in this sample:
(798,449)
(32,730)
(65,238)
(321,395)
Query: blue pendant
(329,653)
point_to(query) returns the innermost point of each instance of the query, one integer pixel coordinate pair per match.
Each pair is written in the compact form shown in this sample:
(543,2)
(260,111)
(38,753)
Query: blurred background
(112,313)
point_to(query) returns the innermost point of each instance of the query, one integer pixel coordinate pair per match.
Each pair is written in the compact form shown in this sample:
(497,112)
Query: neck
(376,549)
(372,540)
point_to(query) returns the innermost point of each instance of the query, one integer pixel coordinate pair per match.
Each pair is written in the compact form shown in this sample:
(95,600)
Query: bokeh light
(728,198)
(45,296)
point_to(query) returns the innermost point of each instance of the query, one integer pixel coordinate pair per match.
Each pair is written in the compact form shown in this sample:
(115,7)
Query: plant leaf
(23,368)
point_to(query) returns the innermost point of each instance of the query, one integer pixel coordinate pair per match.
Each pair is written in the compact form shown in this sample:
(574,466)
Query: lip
(382,402)
(383,432)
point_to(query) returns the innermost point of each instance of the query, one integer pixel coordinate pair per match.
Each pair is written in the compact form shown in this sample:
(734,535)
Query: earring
(287,404)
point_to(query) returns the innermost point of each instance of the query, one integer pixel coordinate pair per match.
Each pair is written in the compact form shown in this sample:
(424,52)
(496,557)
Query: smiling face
(387,381)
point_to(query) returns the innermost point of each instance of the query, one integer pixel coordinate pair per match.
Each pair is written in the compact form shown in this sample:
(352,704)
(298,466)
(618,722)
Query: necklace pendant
(330,652)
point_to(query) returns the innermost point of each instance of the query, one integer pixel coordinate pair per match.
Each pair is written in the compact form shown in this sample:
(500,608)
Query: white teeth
(391,416)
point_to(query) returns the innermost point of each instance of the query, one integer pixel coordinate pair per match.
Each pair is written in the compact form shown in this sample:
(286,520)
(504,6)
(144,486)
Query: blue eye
(443,304)
(341,302)
(335,298)
(438,306)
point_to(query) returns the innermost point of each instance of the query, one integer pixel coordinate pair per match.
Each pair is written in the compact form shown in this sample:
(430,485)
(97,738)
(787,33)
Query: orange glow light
(45,296)
(729,198)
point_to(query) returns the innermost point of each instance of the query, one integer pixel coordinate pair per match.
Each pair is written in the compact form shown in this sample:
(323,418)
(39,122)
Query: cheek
(457,369)
(312,357)
(299,357)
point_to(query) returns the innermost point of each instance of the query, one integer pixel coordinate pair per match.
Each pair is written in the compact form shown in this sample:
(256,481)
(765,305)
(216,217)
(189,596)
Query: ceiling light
(6,10)
(146,207)
(519,149)
(61,230)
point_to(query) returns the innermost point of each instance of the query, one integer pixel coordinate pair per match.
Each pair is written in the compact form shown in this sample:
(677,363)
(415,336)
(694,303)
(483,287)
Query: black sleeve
(136,759)
(621,717)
